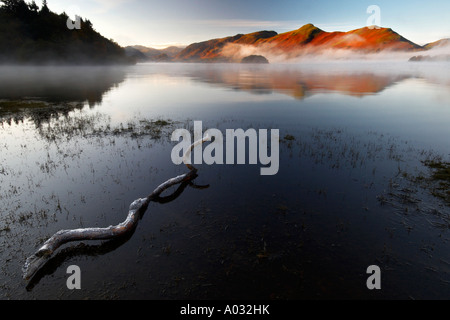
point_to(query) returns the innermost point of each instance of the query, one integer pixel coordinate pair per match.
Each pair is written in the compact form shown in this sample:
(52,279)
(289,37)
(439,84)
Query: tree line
(30,34)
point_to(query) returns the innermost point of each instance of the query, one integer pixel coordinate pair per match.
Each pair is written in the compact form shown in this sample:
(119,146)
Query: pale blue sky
(181,22)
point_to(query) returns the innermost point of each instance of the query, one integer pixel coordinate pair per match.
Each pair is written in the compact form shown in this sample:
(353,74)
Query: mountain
(438,44)
(143,54)
(369,39)
(307,40)
(212,49)
(438,51)
(33,35)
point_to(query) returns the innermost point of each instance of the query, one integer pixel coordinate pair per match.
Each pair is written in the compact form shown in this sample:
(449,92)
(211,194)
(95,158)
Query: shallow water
(353,138)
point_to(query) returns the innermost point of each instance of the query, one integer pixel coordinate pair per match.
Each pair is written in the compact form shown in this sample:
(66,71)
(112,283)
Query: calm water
(346,196)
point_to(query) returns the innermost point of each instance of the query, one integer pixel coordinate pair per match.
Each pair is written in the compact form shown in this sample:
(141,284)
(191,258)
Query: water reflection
(347,195)
(298,83)
(301,81)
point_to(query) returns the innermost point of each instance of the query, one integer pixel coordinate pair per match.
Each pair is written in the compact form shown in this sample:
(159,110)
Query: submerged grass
(439,179)
(17,106)
(335,148)
(37,111)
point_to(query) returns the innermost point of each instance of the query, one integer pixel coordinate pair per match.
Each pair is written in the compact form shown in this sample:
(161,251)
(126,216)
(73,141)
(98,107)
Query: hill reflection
(299,83)
(357,79)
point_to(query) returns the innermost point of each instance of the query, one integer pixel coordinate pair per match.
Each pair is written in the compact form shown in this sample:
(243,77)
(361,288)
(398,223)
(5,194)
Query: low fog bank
(302,80)
(342,61)
(298,77)
(236,52)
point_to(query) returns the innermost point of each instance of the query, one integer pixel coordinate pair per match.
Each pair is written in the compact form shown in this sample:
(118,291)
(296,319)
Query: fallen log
(36,261)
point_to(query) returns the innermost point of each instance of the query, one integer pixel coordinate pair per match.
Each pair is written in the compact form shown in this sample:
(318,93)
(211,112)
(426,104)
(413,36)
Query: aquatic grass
(37,111)
(65,128)
(17,106)
(413,172)
(439,180)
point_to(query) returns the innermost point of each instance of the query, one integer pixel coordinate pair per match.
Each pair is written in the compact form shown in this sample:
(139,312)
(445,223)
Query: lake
(361,146)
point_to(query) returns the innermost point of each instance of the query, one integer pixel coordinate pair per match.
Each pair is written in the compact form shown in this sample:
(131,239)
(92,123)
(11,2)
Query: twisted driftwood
(35,262)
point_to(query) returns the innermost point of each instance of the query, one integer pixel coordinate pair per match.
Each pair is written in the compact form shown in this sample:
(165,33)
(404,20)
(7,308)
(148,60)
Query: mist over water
(59,83)
(236,52)
(78,145)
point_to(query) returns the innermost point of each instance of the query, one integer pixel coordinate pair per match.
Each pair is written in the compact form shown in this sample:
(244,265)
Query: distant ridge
(439,43)
(144,54)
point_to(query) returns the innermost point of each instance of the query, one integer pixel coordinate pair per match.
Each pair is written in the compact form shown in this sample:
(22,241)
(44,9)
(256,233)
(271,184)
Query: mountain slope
(307,39)
(211,49)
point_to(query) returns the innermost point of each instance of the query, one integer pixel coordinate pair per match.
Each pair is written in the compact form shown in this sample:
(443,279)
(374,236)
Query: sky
(161,23)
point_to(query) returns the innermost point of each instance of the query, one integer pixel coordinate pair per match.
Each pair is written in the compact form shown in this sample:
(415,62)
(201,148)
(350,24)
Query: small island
(255,59)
